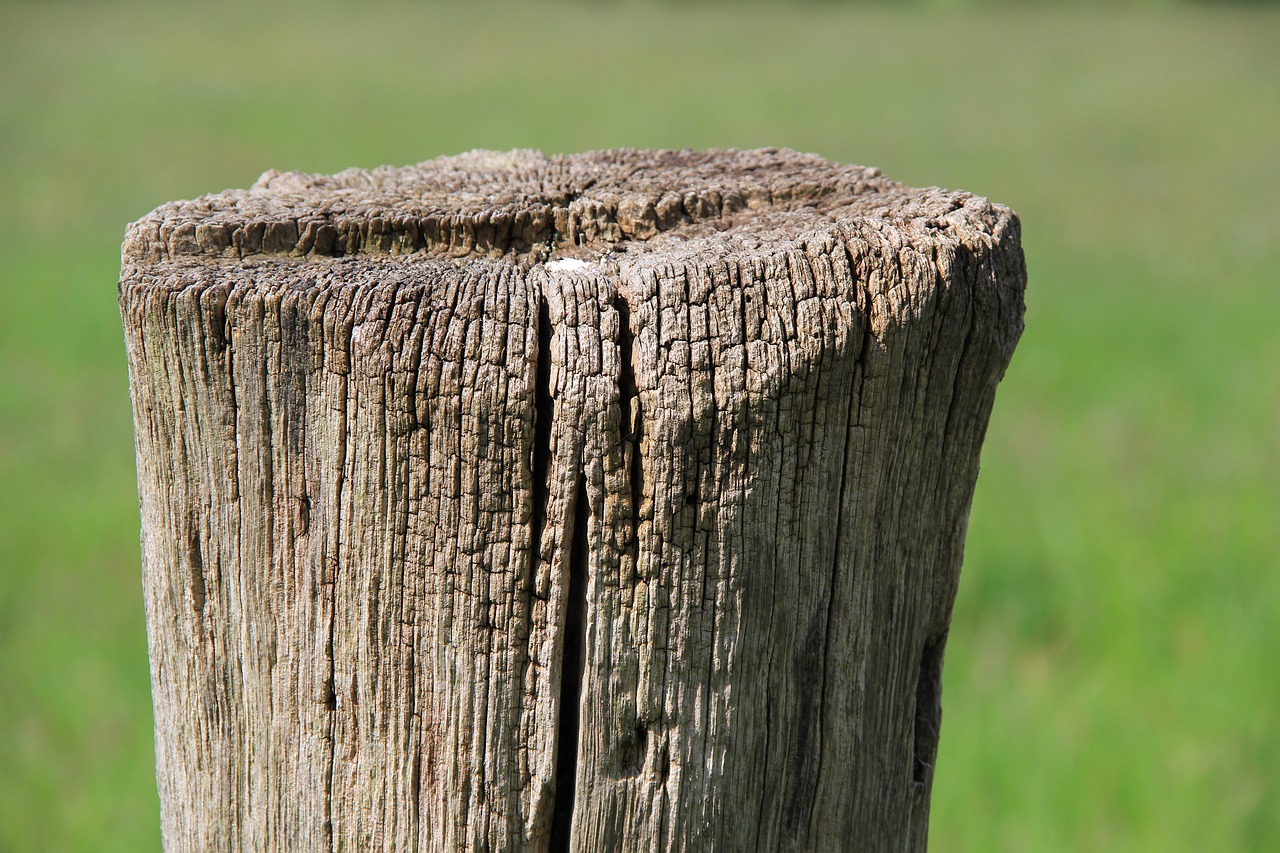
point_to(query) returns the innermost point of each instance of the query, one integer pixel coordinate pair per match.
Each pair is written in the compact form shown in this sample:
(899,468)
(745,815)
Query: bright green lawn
(1113,681)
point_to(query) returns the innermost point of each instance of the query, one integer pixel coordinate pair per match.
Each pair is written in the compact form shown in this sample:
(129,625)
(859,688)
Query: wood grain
(602,502)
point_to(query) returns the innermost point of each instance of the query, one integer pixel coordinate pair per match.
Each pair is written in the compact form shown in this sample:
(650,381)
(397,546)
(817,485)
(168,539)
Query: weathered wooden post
(603,502)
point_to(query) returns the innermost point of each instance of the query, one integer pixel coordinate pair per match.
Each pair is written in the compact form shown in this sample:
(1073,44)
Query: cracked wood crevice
(602,502)
(575,627)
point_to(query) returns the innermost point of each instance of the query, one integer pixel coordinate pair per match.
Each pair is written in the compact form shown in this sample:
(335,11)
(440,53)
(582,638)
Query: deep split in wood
(603,502)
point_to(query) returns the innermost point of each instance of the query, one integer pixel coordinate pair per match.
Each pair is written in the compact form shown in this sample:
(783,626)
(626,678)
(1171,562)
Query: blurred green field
(1112,680)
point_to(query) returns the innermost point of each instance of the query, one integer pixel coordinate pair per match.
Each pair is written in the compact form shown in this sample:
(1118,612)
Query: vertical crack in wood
(632,427)
(928,715)
(630,432)
(543,413)
(331,570)
(197,566)
(540,461)
(229,353)
(413,718)
(575,628)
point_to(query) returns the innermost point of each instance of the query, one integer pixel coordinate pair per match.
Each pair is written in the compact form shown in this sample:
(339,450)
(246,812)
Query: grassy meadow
(1113,673)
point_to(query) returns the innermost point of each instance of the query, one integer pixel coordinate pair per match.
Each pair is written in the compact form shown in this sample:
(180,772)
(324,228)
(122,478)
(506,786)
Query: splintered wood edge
(529,208)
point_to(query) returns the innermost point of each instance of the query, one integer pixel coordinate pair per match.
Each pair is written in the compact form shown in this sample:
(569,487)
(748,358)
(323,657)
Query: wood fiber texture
(607,502)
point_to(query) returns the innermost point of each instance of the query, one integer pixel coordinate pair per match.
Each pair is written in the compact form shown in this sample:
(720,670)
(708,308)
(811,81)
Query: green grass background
(1112,679)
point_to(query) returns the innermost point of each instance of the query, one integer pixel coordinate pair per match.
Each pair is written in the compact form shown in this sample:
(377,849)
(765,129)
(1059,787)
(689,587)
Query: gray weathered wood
(605,502)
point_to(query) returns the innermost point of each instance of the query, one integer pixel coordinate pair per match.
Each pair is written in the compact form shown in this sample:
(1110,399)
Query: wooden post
(603,502)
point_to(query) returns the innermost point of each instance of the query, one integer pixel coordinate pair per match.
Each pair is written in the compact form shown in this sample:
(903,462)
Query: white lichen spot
(567,265)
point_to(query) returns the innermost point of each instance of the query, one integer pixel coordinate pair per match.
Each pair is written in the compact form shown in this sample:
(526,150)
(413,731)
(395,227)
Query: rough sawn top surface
(531,208)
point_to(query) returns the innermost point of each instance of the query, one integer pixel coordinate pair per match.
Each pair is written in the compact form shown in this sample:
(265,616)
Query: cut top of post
(532,208)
